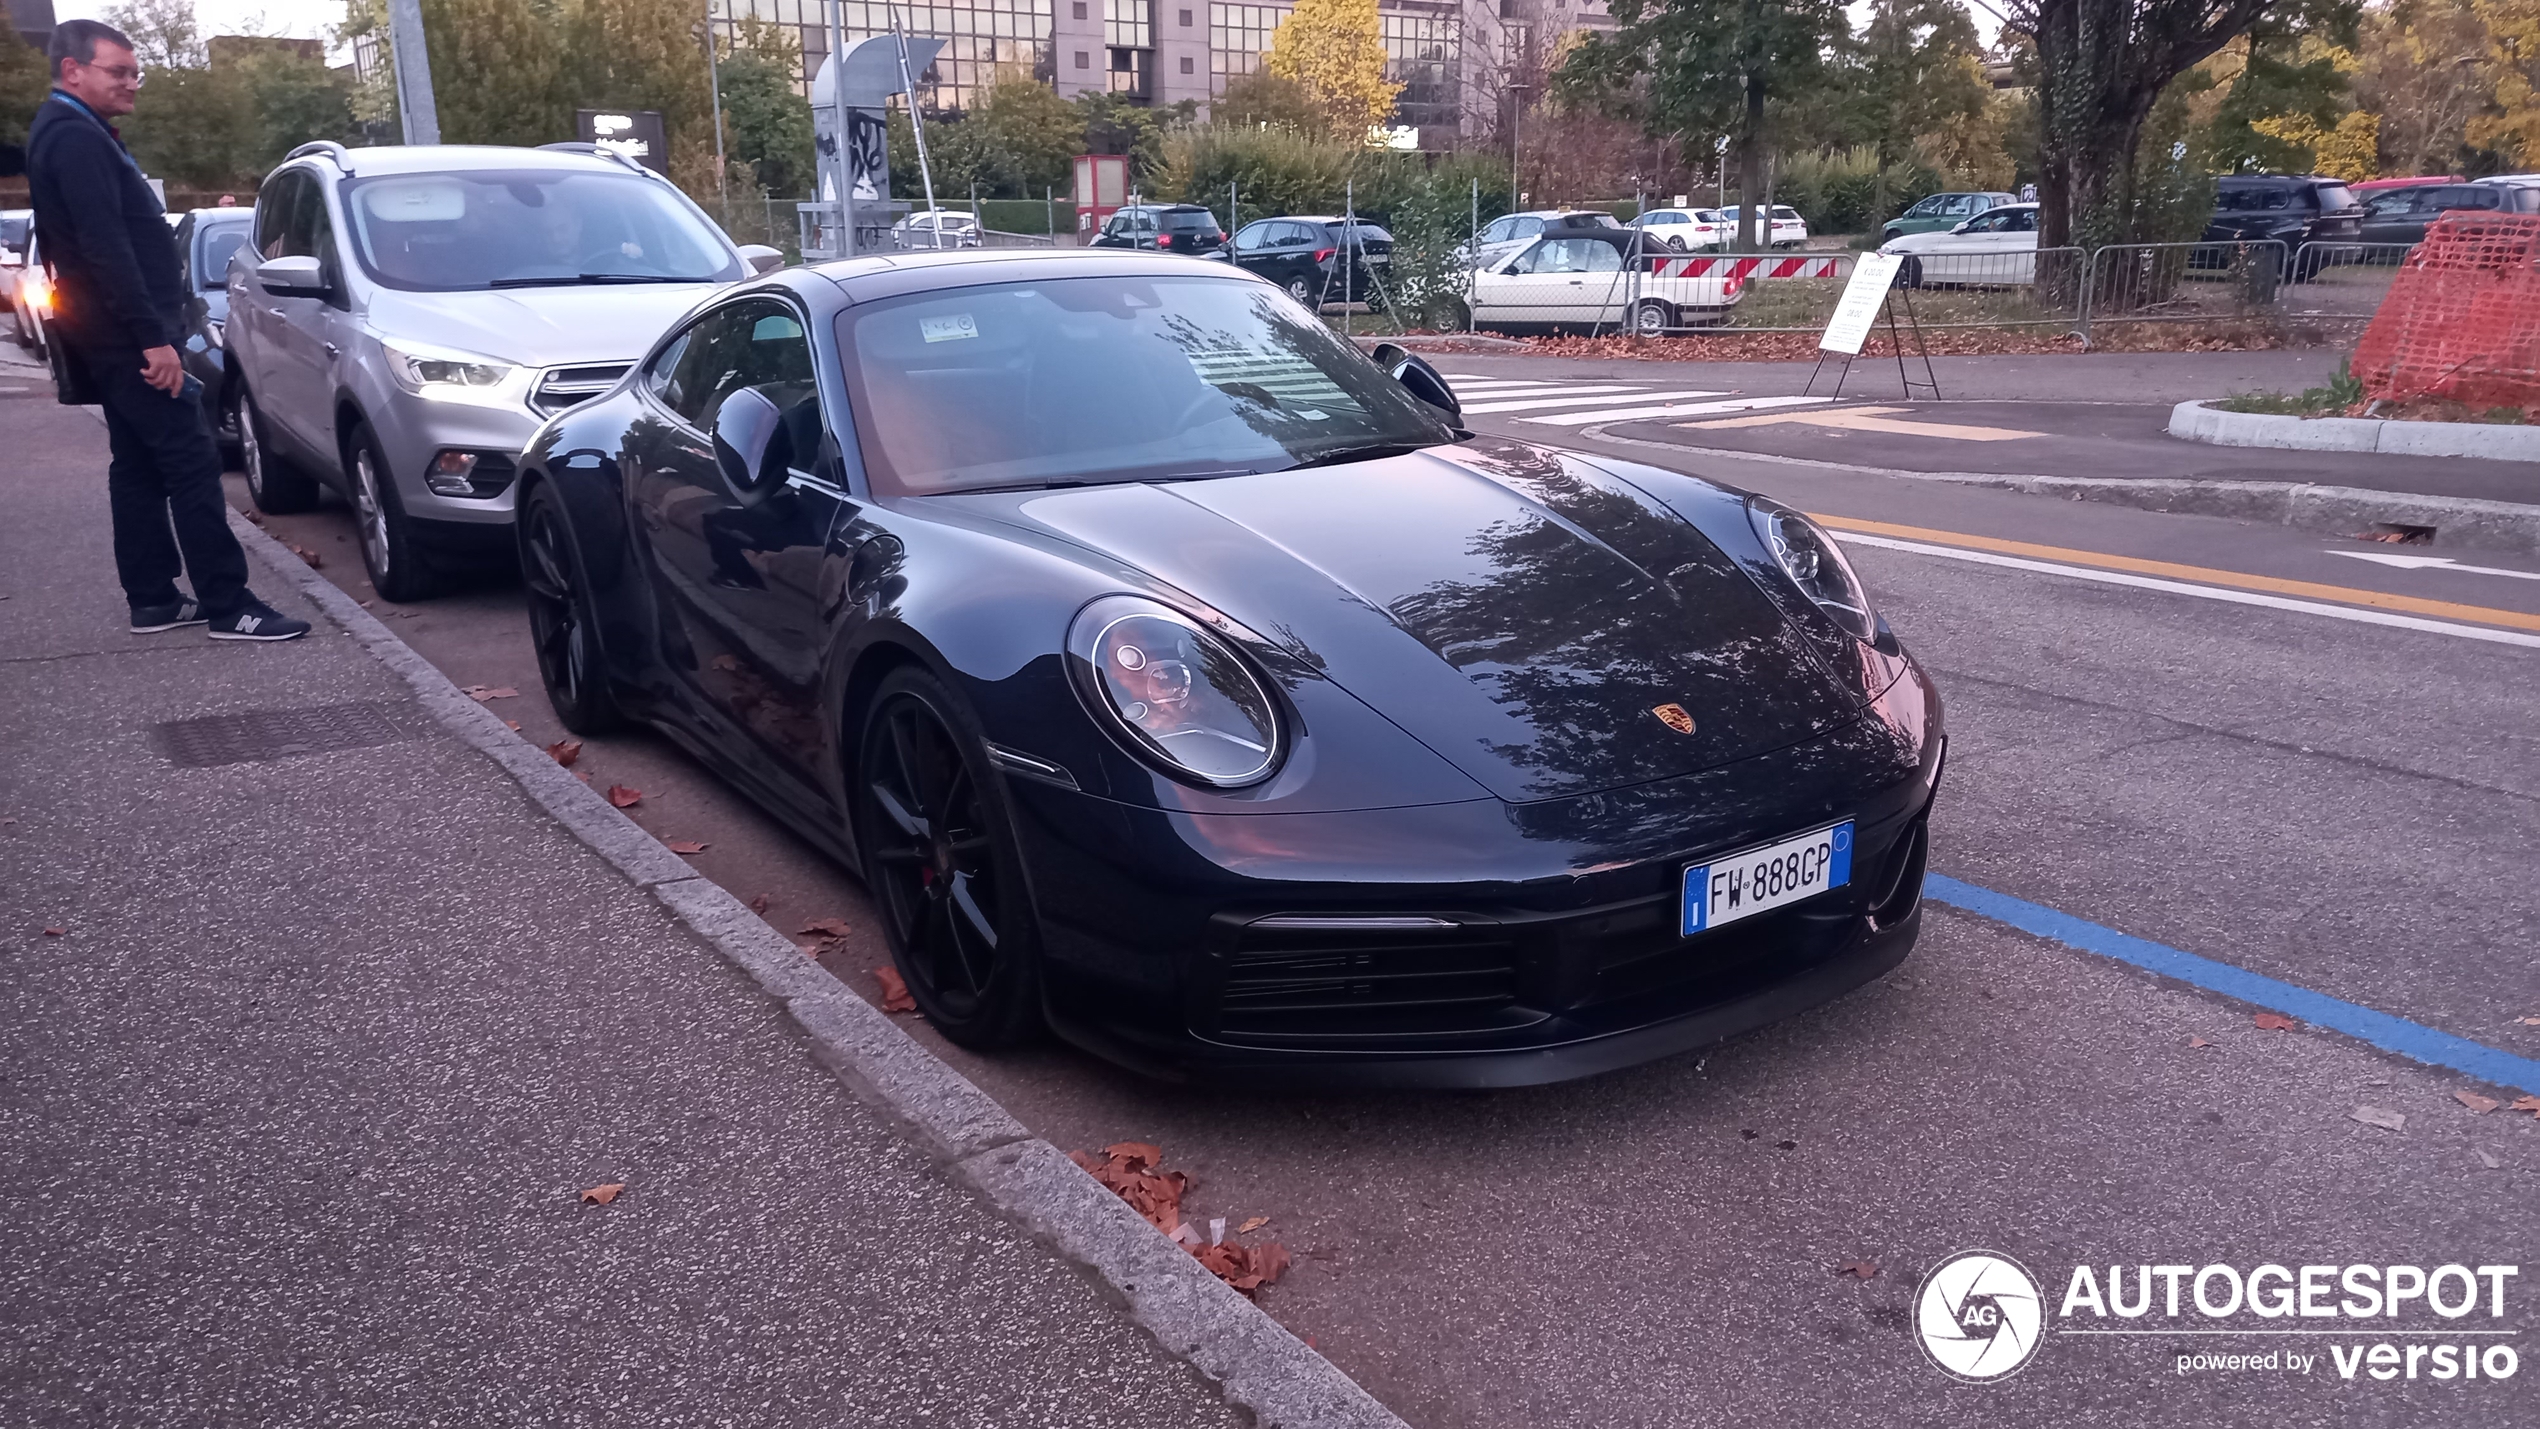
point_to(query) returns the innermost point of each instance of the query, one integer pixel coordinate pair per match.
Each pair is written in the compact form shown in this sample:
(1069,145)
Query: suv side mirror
(300,276)
(1419,379)
(761,258)
(746,451)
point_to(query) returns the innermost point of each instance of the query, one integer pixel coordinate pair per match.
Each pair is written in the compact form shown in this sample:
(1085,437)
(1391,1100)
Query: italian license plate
(1762,879)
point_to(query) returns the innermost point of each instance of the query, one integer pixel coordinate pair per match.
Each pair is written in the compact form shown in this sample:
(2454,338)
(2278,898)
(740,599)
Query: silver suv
(405,318)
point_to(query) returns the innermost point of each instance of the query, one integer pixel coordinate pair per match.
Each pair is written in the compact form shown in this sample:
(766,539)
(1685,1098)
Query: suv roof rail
(576,146)
(327,147)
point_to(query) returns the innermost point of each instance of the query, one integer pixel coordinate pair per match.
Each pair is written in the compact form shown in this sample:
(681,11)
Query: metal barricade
(2341,280)
(998,238)
(2182,282)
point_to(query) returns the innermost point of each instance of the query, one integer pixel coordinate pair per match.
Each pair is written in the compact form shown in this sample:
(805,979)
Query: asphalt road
(2345,806)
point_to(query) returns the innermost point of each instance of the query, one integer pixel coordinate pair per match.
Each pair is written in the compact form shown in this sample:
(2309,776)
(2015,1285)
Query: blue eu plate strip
(2412,1040)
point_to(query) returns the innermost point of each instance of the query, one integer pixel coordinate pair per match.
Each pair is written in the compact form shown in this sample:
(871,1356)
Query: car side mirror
(761,258)
(1419,379)
(746,451)
(299,276)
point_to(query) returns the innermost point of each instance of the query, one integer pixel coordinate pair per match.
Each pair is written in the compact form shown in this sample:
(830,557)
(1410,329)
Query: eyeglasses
(129,74)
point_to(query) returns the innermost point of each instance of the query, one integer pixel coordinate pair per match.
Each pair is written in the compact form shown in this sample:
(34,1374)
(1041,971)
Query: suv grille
(563,387)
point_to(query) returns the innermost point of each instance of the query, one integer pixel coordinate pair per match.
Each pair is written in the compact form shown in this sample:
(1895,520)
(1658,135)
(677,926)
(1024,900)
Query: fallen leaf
(563,751)
(254,518)
(56,932)
(759,904)
(624,797)
(2477,1104)
(724,662)
(482,693)
(513,725)
(1254,1224)
(1858,1270)
(684,846)
(582,774)
(1247,1268)
(304,553)
(2272,1021)
(602,1195)
(2487,1158)
(895,996)
(2528,1021)
(1136,1153)
(363,604)
(2375,1116)
(1156,1195)
(2529,1104)
(827,927)
(2198,1042)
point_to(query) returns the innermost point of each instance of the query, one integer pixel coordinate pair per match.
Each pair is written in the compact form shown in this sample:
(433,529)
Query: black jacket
(102,231)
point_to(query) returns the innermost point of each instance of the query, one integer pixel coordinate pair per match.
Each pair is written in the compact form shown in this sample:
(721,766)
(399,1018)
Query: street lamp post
(416,115)
(714,86)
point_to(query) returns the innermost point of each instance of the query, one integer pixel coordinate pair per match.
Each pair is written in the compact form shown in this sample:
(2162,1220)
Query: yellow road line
(2207,575)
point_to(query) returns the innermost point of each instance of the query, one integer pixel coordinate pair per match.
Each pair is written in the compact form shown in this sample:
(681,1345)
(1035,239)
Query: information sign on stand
(1871,294)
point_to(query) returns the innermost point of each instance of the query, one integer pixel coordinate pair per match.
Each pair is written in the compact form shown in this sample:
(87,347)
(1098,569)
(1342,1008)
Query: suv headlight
(1816,565)
(443,373)
(1181,697)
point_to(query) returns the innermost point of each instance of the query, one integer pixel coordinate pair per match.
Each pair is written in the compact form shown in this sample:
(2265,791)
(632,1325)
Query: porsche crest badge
(1675,718)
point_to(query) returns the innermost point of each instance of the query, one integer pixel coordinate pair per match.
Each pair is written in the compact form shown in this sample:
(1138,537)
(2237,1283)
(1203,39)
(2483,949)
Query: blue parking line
(2414,1041)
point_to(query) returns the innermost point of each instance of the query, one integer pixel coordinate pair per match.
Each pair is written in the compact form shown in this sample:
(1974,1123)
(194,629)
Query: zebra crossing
(1558,402)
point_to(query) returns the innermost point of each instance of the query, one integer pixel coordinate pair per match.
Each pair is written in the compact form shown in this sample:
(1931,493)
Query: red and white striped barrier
(1745,268)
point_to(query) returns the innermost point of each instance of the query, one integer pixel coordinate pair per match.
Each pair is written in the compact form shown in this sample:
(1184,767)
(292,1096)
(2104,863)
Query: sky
(299,19)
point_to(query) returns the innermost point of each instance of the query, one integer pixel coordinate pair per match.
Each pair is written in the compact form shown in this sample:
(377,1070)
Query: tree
(1114,125)
(163,32)
(497,72)
(640,54)
(1920,74)
(1700,68)
(23,85)
(2420,71)
(2287,92)
(1259,99)
(2513,67)
(1335,49)
(2102,66)
(767,120)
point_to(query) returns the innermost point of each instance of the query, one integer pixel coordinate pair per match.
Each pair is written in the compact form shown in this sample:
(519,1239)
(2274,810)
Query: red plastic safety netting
(2462,318)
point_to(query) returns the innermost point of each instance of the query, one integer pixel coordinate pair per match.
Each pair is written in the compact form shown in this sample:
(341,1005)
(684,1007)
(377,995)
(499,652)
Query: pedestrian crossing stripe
(1611,399)
(1674,409)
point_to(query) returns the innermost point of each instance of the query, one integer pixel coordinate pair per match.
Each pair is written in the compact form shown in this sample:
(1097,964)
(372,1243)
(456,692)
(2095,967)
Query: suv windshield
(460,232)
(1076,381)
(2253,197)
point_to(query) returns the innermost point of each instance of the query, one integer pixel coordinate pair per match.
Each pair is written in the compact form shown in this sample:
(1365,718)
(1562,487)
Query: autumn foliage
(1132,1171)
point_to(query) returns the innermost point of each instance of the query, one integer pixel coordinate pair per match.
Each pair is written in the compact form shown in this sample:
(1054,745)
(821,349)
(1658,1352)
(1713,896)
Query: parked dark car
(2402,217)
(1163,228)
(205,238)
(2288,209)
(1179,677)
(1303,255)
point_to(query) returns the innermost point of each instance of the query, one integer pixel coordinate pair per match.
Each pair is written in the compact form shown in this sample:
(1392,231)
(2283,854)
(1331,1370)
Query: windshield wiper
(1368,452)
(562,281)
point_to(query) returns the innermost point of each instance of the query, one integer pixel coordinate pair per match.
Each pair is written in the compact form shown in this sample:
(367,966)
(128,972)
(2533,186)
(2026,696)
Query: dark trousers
(163,483)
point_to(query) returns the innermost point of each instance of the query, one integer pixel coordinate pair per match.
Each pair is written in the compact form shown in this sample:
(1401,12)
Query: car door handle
(276,313)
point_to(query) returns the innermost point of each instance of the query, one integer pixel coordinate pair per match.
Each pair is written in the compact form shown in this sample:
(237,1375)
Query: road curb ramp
(1251,1359)
(2490,441)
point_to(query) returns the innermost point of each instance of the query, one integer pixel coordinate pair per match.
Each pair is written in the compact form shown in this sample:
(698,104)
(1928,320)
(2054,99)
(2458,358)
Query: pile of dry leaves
(1131,1170)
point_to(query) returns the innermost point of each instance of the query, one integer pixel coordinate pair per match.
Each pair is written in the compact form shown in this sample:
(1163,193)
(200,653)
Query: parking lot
(2286,786)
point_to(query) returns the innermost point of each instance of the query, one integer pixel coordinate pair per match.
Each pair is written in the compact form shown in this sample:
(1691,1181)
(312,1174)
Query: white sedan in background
(1686,230)
(1585,280)
(937,228)
(1994,249)
(1789,230)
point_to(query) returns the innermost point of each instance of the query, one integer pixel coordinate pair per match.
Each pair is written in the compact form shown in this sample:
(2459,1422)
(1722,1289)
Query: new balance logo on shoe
(247,624)
(258,622)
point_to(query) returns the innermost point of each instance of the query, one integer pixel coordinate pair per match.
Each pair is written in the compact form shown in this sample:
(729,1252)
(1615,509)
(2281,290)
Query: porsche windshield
(463,231)
(1081,380)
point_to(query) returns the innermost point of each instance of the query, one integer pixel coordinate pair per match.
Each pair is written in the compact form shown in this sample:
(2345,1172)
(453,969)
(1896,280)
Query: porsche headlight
(1816,565)
(439,372)
(1182,696)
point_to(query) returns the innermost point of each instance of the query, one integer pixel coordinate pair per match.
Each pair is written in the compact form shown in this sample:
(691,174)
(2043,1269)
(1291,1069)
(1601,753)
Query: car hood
(1522,613)
(539,327)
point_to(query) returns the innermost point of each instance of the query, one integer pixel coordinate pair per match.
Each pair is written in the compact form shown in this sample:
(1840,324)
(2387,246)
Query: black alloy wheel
(943,865)
(391,553)
(272,483)
(1909,274)
(560,619)
(1301,290)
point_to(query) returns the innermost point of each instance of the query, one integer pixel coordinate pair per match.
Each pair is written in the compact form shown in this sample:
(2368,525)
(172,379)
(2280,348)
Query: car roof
(884,275)
(450,158)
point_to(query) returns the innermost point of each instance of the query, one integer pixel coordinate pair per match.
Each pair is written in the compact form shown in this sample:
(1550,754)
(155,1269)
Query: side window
(1595,257)
(1249,239)
(661,377)
(2020,220)
(755,343)
(318,228)
(274,206)
(1528,228)
(1958,205)
(217,246)
(1500,230)
(1928,208)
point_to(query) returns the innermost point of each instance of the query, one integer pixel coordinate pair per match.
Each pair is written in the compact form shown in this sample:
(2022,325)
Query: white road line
(2421,563)
(2233,597)
(1549,390)
(1677,409)
(1537,403)
(1477,382)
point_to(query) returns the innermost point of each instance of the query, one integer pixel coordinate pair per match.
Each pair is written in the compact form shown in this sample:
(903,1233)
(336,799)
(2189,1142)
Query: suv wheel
(272,484)
(390,552)
(1302,291)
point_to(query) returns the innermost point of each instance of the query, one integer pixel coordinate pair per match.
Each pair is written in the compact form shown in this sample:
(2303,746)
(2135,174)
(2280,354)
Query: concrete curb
(2203,422)
(1253,1360)
(2458,521)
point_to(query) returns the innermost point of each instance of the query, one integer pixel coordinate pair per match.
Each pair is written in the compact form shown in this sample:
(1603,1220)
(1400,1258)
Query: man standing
(117,310)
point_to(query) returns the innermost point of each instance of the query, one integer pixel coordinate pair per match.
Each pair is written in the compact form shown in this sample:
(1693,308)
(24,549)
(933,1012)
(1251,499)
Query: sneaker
(151,619)
(257,621)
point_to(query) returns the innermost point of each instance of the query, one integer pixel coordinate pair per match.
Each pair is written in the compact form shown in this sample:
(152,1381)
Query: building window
(1084,60)
(1186,64)
(1128,24)
(1424,54)
(1080,9)
(981,37)
(1186,19)
(1237,36)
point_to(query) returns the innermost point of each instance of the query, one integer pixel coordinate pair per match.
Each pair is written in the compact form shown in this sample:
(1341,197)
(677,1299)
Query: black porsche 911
(1180,678)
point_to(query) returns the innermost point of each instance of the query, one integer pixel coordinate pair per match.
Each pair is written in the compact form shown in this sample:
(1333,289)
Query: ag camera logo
(1979,1316)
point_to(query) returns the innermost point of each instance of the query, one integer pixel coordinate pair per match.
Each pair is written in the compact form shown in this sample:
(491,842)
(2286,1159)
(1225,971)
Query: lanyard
(91,115)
